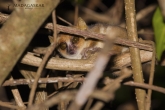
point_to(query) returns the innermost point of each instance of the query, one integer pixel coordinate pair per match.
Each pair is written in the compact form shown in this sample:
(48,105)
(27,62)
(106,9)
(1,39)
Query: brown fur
(84,43)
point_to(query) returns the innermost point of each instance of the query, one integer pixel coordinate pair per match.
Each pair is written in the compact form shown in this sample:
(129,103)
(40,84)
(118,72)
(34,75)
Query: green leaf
(159,30)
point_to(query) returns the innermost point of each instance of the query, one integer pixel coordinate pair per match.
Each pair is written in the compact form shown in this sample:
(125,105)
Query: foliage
(159,29)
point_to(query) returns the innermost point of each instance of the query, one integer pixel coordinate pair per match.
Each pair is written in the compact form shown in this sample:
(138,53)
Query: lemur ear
(51,39)
(81,24)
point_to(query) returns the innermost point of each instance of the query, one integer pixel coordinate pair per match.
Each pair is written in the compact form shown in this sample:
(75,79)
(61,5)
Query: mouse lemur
(72,46)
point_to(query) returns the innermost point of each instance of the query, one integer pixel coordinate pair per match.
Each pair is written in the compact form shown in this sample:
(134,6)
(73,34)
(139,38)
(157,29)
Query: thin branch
(29,72)
(120,61)
(59,63)
(65,86)
(62,96)
(4,104)
(54,26)
(112,87)
(89,103)
(93,4)
(145,32)
(135,52)
(124,60)
(65,79)
(62,103)
(145,12)
(39,71)
(140,85)
(69,95)
(91,15)
(64,21)
(151,78)
(146,86)
(41,81)
(44,61)
(88,34)
(17,96)
(115,12)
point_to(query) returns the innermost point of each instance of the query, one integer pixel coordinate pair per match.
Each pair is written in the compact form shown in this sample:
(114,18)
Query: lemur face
(70,46)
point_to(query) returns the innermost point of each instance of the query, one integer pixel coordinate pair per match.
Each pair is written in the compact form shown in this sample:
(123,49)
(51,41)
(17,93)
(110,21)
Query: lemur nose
(71,49)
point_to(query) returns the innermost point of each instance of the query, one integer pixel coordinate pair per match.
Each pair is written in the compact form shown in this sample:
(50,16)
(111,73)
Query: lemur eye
(63,46)
(75,40)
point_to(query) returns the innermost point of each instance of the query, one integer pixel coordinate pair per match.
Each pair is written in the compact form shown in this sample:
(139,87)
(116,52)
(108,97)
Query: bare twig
(120,61)
(111,16)
(146,86)
(115,13)
(124,60)
(59,63)
(90,34)
(29,73)
(135,53)
(64,86)
(17,96)
(54,26)
(91,15)
(64,21)
(95,16)
(112,87)
(62,103)
(4,104)
(89,103)
(65,79)
(92,4)
(69,95)
(40,69)
(43,63)
(41,81)
(148,97)
(144,12)
(140,85)
(143,31)
(62,96)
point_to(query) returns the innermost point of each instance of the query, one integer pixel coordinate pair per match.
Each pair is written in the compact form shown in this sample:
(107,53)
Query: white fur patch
(102,30)
(125,49)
